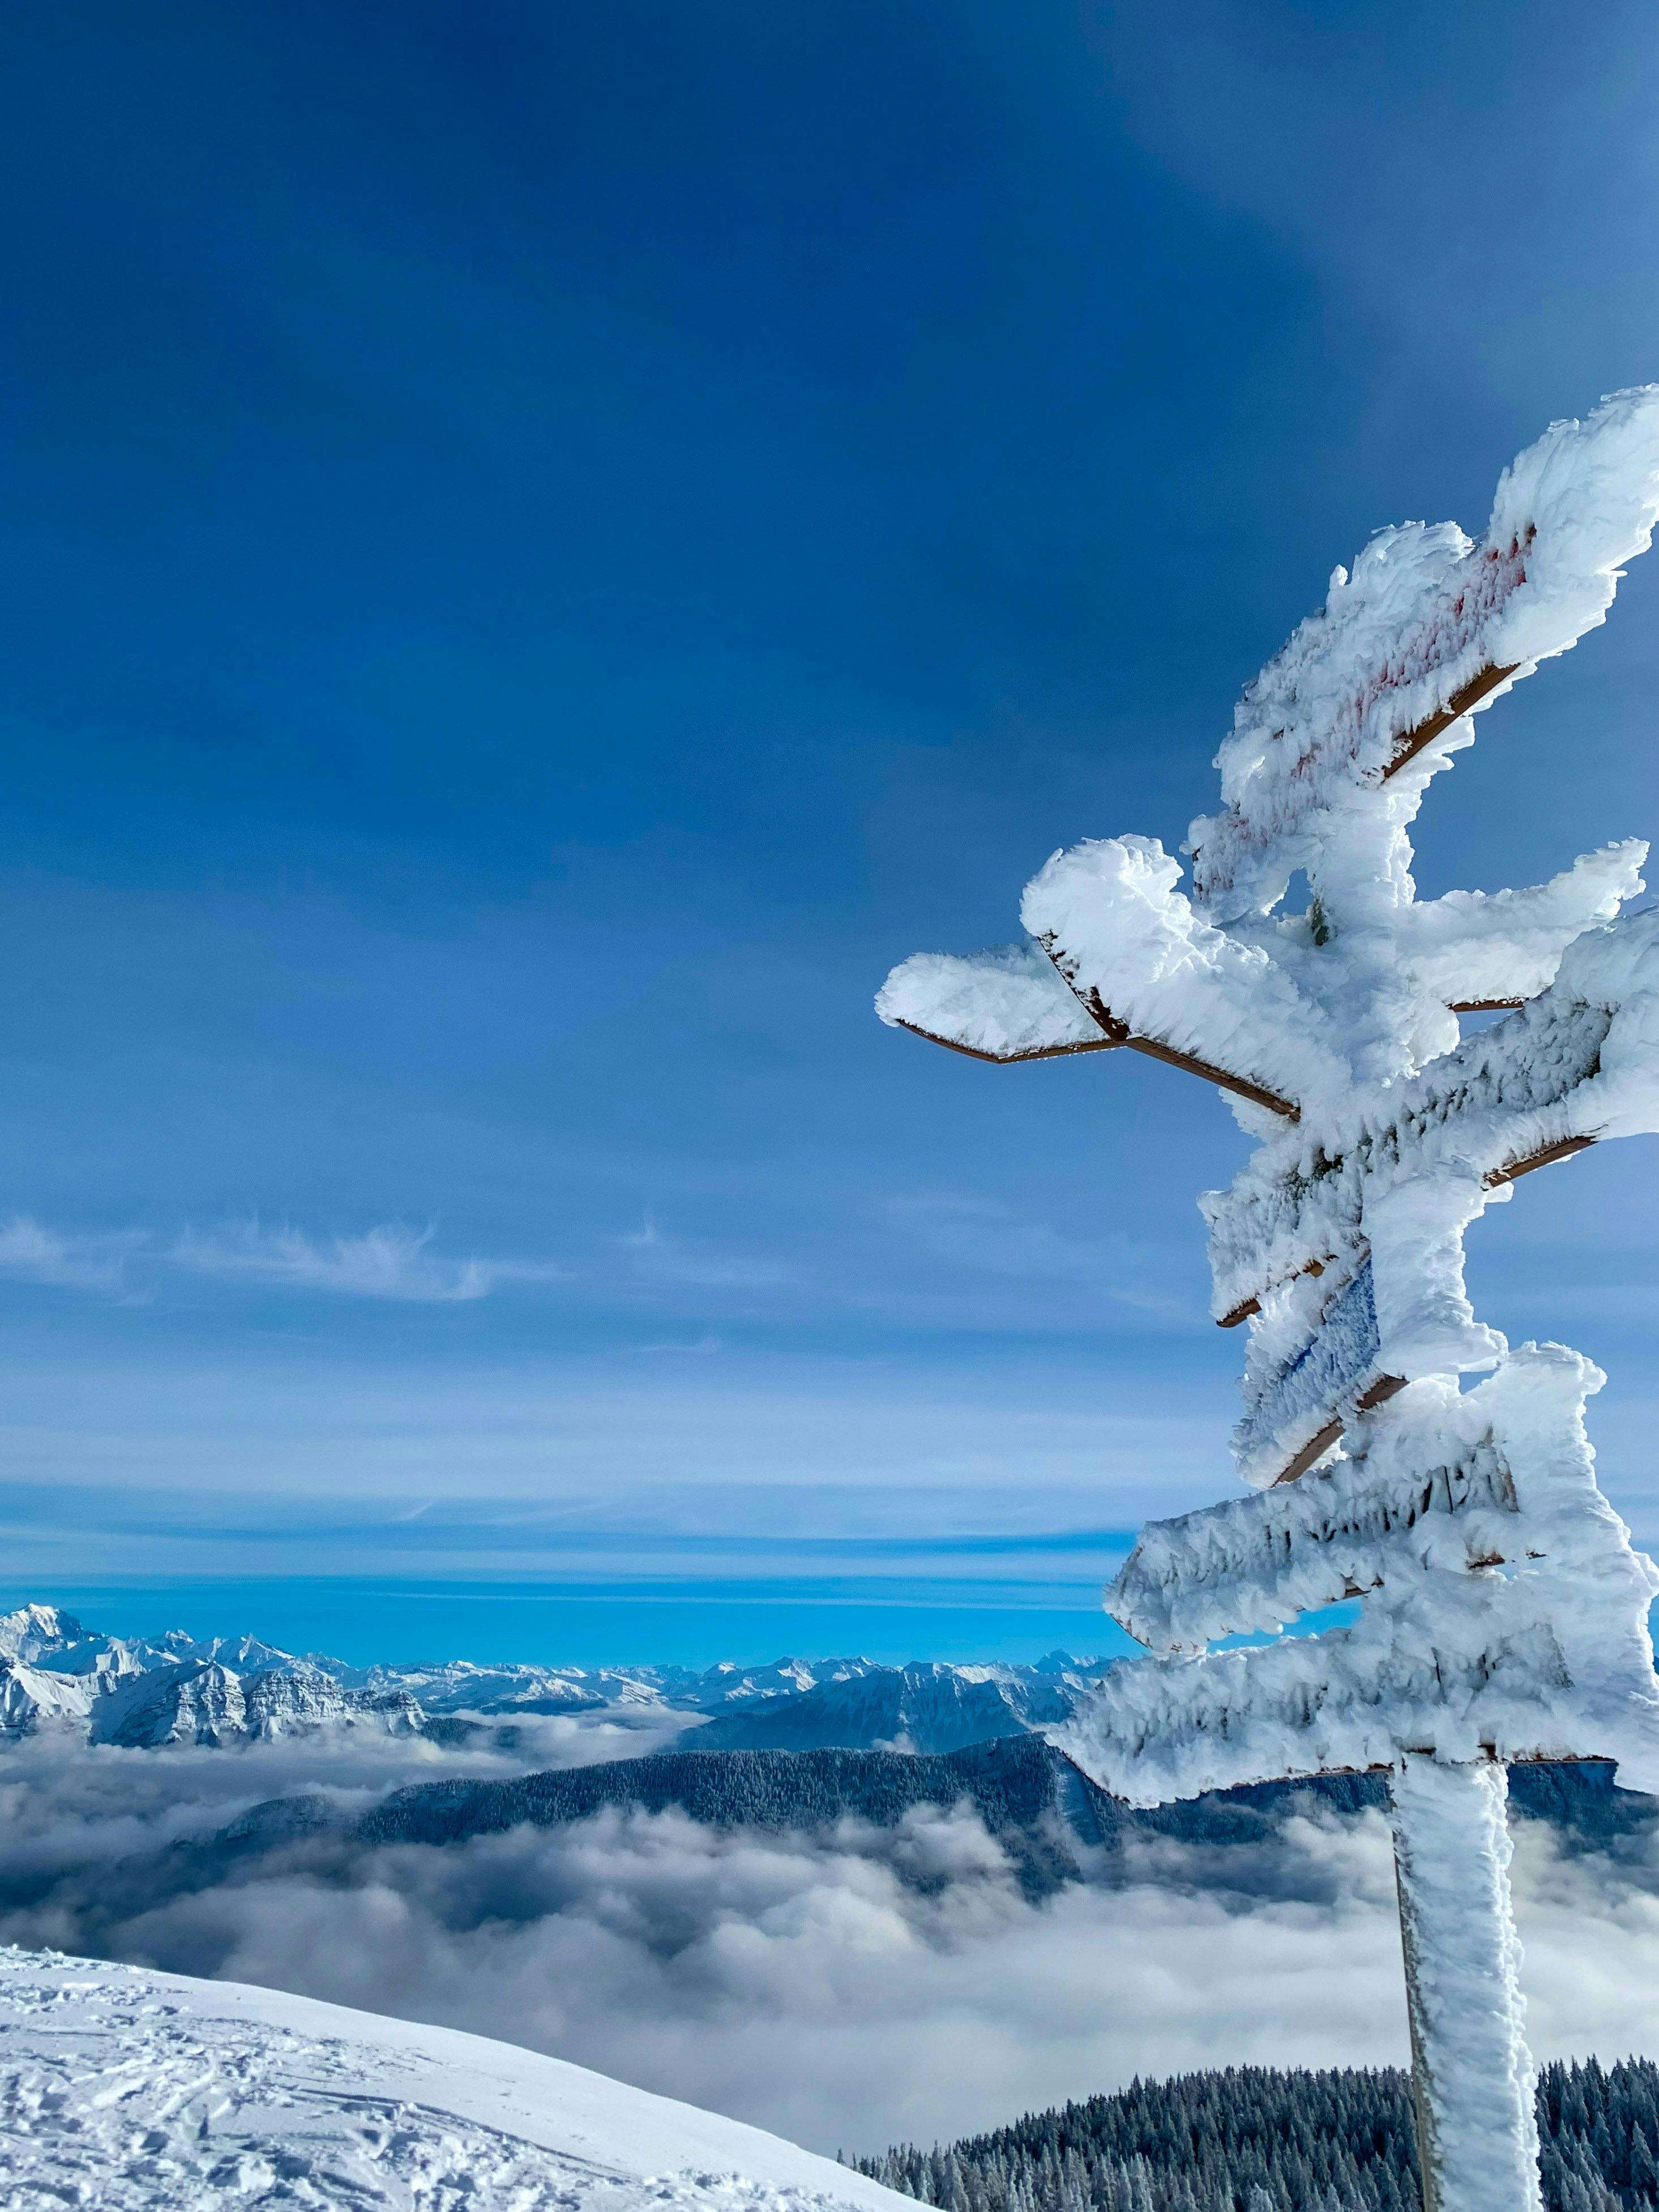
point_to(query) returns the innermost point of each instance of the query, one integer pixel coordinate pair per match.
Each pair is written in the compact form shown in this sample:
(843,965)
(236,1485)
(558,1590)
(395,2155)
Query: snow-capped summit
(44,1636)
(727,1684)
(33,1629)
(243,1653)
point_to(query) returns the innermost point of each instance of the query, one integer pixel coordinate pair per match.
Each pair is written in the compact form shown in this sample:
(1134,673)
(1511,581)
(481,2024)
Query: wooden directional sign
(1513,1098)
(1295,1413)
(1437,1488)
(997,1007)
(1473,1527)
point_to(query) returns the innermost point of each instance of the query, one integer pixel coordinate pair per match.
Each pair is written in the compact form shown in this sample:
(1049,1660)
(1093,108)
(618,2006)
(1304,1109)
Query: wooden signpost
(1502,1611)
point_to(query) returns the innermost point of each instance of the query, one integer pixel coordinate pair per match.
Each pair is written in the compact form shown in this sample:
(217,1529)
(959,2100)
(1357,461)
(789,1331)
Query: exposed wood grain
(1240,1313)
(1210,1073)
(1116,1028)
(1008,1059)
(1115,1032)
(1469,694)
(1309,1452)
(1545,1157)
(1249,1306)
(1384,1388)
(1376,1393)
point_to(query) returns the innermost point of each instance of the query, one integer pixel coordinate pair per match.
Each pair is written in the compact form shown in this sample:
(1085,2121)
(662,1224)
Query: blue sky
(544,548)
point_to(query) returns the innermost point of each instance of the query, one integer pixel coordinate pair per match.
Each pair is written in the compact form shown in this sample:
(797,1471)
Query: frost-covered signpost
(1505,1613)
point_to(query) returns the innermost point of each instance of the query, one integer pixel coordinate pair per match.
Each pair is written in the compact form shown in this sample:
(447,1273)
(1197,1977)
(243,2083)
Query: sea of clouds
(846,1988)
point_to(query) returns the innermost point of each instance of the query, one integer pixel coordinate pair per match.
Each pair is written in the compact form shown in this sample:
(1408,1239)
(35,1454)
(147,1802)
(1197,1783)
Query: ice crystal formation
(1504,1612)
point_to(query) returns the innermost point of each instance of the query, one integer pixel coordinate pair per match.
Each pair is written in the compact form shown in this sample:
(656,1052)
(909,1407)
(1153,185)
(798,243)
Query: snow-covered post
(1502,1612)
(1477,2133)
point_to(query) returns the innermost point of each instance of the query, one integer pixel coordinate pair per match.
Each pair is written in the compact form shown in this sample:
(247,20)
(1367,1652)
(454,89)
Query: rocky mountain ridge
(58,1677)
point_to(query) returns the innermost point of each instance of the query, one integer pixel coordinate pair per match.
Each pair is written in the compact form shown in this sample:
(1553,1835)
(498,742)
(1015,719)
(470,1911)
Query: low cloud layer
(847,1989)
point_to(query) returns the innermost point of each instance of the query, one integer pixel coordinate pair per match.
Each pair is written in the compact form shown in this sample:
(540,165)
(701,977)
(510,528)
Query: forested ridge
(1255,2139)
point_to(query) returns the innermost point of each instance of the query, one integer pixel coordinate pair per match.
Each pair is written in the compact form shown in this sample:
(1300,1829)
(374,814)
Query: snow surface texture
(138,2092)
(1505,1613)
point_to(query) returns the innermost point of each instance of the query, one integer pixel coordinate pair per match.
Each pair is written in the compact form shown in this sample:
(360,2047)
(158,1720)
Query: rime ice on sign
(1503,1613)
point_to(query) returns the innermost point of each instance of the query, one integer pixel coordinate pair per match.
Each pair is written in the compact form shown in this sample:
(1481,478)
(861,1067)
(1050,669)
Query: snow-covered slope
(139,2092)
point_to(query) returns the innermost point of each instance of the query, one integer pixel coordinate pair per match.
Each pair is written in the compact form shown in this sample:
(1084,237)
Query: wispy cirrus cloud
(390,1261)
(694,1262)
(32,1252)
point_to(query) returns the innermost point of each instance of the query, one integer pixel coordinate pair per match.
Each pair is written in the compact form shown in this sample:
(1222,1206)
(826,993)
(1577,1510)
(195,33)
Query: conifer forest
(1257,2139)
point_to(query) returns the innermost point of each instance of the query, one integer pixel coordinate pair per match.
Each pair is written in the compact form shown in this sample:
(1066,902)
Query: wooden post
(1471,2075)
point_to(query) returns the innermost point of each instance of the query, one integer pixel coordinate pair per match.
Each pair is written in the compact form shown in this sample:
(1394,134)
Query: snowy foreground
(126,2089)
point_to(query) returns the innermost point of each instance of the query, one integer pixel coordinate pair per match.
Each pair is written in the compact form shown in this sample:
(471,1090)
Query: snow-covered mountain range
(140,2092)
(139,1693)
(925,1707)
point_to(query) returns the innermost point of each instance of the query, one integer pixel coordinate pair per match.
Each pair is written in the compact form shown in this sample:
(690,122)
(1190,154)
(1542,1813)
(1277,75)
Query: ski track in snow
(136,2092)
